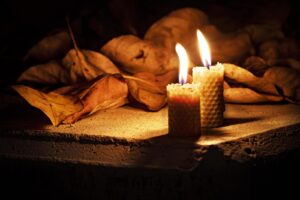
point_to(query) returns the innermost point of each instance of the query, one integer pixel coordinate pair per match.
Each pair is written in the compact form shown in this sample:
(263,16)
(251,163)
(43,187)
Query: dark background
(23,23)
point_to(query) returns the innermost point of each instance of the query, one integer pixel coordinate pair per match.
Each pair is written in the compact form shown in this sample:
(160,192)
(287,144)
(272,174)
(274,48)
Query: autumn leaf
(50,47)
(179,26)
(136,55)
(109,91)
(261,33)
(242,76)
(152,101)
(87,65)
(50,73)
(286,79)
(149,90)
(256,65)
(57,107)
(247,95)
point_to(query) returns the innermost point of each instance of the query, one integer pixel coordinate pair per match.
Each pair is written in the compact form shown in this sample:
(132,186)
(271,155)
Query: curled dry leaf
(269,50)
(181,25)
(109,91)
(247,95)
(261,33)
(149,90)
(294,64)
(212,33)
(178,26)
(231,47)
(256,65)
(188,13)
(135,55)
(288,62)
(74,89)
(244,77)
(290,48)
(51,47)
(87,65)
(144,98)
(226,85)
(57,107)
(50,73)
(285,78)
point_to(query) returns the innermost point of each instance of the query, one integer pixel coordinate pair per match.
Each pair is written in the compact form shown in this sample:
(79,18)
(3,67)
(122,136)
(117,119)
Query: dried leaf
(152,83)
(288,62)
(247,95)
(142,97)
(135,55)
(285,78)
(149,84)
(178,26)
(290,48)
(261,33)
(256,65)
(73,90)
(148,90)
(169,77)
(50,73)
(231,48)
(243,76)
(181,25)
(189,13)
(57,107)
(109,91)
(293,63)
(87,65)
(226,85)
(269,50)
(52,46)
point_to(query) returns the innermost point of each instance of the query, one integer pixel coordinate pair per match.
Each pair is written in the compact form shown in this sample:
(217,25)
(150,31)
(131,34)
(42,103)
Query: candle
(210,79)
(183,102)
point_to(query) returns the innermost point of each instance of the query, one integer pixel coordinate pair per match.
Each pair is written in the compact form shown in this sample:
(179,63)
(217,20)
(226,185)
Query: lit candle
(210,79)
(183,102)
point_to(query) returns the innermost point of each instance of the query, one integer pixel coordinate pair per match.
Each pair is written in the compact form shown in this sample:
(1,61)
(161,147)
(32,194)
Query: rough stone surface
(127,154)
(133,124)
(132,137)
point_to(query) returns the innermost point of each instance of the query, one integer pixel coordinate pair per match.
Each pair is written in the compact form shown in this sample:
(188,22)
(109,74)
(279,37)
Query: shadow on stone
(233,121)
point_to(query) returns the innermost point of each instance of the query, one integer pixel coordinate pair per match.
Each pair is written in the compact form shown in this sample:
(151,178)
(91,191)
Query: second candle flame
(204,49)
(183,63)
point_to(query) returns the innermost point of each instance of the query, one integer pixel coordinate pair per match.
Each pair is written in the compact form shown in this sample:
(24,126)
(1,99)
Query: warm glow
(183,63)
(204,49)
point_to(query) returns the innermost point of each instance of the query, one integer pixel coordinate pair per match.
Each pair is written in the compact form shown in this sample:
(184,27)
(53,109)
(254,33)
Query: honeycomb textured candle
(211,94)
(184,110)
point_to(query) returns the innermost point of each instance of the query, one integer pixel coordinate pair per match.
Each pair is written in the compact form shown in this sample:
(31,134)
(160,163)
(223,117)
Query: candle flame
(204,49)
(183,63)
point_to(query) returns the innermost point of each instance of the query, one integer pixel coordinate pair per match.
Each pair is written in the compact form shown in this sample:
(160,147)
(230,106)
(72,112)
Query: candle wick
(207,65)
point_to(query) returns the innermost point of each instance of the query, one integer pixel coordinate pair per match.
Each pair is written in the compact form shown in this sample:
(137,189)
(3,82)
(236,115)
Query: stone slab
(132,124)
(130,137)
